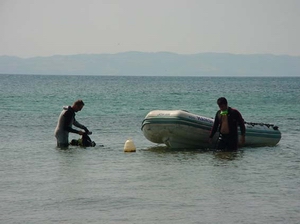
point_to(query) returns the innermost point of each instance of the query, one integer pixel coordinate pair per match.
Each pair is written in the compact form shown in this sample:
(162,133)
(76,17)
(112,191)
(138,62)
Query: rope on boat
(263,124)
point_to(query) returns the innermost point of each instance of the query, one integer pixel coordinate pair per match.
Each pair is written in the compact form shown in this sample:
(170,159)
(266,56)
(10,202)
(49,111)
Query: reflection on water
(165,149)
(199,154)
(228,155)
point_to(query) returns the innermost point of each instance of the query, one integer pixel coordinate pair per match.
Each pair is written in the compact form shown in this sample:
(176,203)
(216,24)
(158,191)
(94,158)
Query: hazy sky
(48,27)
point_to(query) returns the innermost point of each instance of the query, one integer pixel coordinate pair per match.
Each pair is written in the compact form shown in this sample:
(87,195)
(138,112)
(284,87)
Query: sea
(40,183)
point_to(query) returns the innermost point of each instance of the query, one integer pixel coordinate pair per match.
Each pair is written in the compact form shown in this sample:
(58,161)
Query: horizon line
(154,52)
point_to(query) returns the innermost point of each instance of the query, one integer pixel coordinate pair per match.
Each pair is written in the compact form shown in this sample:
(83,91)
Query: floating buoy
(129,146)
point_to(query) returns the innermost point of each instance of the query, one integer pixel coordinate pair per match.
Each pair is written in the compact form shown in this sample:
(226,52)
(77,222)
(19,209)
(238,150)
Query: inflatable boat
(180,129)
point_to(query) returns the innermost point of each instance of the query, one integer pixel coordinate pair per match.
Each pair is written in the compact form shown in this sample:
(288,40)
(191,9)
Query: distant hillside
(162,63)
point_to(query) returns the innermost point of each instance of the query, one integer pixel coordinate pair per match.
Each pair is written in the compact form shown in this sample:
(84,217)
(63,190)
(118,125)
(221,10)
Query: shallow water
(42,184)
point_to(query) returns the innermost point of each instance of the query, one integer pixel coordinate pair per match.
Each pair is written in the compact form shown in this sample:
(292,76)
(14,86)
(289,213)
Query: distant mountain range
(154,64)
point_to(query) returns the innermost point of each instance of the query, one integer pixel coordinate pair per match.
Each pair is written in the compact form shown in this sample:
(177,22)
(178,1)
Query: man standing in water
(226,122)
(65,121)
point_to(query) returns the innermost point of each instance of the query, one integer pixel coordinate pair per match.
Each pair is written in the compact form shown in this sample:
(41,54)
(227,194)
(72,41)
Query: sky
(31,28)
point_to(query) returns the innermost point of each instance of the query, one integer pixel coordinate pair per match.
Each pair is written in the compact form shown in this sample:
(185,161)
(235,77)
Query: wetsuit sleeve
(215,126)
(68,120)
(241,123)
(77,124)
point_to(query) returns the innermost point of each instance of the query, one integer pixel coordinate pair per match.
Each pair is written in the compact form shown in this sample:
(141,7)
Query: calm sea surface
(42,184)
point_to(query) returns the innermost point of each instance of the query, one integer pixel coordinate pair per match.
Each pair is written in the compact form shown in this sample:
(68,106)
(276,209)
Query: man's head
(222,103)
(78,105)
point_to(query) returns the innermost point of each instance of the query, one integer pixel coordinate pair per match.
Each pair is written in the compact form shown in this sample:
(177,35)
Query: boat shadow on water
(166,149)
(217,154)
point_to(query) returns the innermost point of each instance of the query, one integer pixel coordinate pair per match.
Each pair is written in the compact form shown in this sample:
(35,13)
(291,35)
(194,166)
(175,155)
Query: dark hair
(79,103)
(222,101)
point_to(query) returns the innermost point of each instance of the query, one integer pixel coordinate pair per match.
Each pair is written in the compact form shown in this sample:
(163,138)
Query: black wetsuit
(228,141)
(64,126)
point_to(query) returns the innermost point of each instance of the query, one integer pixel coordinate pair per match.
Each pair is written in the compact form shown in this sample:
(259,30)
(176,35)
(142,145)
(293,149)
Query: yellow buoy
(129,146)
